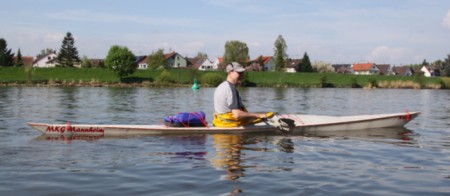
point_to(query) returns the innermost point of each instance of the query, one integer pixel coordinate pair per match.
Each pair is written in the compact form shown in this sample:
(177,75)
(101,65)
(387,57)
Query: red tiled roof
(264,59)
(27,60)
(362,66)
(169,55)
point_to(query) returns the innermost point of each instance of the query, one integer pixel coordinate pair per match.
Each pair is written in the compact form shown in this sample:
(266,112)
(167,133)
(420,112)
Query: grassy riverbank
(10,76)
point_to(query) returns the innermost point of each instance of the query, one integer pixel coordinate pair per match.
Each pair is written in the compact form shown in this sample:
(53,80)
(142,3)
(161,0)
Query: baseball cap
(234,66)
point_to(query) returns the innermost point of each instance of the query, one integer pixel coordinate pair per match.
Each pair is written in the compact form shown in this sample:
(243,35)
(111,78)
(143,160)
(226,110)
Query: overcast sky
(396,32)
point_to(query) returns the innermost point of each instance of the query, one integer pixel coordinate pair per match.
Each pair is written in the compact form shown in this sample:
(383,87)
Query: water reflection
(185,148)
(122,99)
(4,103)
(68,102)
(401,133)
(228,155)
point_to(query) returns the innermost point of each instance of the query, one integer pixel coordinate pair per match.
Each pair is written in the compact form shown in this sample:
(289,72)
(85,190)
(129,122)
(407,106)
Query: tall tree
(235,51)
(19,61)
(68,54)
(280,54)
(305,65)
(156,60)
(121,61)
(6,57)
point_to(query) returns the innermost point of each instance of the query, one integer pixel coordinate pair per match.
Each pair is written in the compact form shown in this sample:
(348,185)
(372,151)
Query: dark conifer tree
(68,54)
(6,57)
(19,61)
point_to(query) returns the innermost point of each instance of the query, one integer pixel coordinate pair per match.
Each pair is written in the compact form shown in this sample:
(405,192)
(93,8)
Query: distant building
(342,68)
(385,69)
(45,61)
(175,60)
(218,63)
(141,62)
(261,63)
(207,65)
(402,71)
(27,60)
(365,69)
(429,71)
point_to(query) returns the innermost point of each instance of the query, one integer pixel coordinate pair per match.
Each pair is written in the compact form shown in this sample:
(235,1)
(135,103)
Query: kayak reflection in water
(228,155)
(229,111)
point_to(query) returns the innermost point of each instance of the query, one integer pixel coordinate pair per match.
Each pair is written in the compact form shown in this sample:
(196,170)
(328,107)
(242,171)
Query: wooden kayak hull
(303,124)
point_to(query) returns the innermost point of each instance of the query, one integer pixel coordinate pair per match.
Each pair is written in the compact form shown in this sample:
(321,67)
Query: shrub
(211,79)
(165,77)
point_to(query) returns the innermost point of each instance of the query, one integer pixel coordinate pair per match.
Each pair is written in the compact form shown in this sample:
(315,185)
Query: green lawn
(15,75)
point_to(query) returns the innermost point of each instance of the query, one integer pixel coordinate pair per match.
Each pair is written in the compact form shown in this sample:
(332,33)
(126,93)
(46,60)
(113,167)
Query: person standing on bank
(229,110)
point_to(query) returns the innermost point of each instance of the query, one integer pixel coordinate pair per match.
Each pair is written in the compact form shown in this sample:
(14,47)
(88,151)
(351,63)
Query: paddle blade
(286,125)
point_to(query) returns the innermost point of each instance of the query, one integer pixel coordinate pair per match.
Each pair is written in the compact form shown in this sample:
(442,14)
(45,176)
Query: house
(207,64)
(175,60)
(218,63)
(293,65)
(261,63)
(365,69)
(342,68)
(48,60)
(27,60)
(385,69)
(141,62)
(428,71)
(402,71)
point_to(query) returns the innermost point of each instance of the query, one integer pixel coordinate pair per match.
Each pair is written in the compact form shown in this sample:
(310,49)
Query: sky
(396,32)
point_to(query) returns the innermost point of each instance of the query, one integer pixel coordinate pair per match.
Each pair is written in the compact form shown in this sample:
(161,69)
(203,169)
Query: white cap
(234,66)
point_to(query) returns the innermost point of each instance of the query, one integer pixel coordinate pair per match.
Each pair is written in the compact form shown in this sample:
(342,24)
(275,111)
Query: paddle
(285,125)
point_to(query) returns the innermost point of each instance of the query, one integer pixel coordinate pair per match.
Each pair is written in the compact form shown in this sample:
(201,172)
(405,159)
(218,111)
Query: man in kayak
(228,108)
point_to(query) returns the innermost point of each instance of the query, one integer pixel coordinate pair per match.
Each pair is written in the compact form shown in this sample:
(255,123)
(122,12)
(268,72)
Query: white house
(48,60)
(208,65)
(218,62)
(142,62)
(426,71)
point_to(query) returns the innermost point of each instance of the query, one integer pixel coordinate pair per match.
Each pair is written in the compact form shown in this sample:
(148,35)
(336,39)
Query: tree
(68,54)
(322,67)
(121,61)
(446,67)
(6,57)
(19,61)
(280,55)
(201,55)
(156,60)
(235,51)
(305,65)
(45,52)
(85,62)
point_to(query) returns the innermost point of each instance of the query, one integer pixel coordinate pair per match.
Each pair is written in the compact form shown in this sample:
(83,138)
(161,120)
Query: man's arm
(240,114)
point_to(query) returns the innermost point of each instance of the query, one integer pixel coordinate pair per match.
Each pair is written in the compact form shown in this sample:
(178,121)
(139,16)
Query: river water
(410,161)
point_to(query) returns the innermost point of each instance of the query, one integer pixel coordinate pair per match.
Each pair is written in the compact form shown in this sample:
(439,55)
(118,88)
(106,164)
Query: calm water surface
(410,161)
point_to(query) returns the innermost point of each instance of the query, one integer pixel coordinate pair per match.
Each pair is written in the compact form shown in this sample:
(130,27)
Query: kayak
(301,124)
